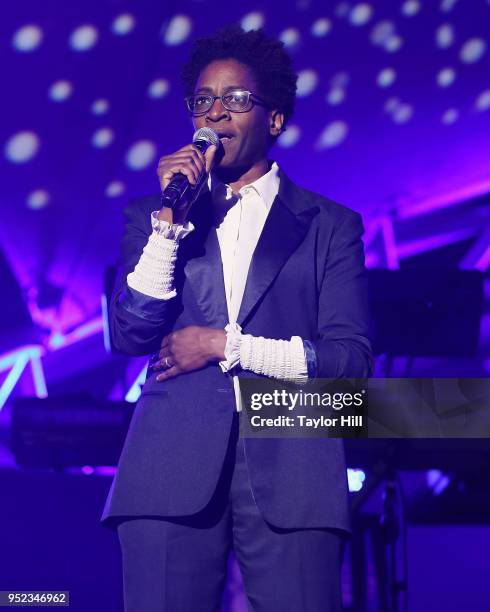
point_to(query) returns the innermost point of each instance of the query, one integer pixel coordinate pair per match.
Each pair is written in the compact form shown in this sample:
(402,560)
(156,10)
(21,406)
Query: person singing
(255,276)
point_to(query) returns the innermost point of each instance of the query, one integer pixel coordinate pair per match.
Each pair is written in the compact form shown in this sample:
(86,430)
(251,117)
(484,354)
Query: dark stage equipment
(68,431)
(426,312)
(466,500)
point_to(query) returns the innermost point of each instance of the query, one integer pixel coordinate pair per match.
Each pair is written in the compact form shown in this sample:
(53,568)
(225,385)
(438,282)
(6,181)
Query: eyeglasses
(236,101)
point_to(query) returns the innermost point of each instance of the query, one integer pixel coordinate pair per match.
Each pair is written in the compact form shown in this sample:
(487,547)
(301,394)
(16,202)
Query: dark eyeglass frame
(251,97)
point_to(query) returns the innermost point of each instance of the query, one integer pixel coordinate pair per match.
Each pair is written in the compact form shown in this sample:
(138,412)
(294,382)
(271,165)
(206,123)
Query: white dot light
(483,101)
(177,31)
(84,38)
(158,88)
(252,21)
(22,147)
(410,8)
(393,43)
(28,38)
(361,14)
(100,106)
(445,35)
(290,37)
(123,24)
(102,138)
(114,189)
(446,77)
(447,5)
(336,96)
(382,32)
(290,137)
(450,116)
(141,154)
(60,91)
(307,81)
(473,50)
(321,27)
(333,135)
(386,77)
(37,199)
(402,113)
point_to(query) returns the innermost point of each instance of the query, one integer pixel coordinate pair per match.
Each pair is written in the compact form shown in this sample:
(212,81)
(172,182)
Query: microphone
(179,187)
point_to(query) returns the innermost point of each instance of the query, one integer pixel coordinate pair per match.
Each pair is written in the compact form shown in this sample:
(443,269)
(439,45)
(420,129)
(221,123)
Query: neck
(237,178)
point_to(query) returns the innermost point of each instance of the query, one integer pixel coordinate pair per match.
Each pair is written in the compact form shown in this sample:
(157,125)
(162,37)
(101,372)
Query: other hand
(187,349)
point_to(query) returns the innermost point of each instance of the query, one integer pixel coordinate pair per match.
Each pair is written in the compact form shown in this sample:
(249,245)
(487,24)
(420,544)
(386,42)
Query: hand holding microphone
(183,173)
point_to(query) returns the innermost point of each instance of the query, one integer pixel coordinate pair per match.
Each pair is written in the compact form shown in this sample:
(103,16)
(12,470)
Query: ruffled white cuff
(232,348)
(154,272)
(281,359)
(172,232)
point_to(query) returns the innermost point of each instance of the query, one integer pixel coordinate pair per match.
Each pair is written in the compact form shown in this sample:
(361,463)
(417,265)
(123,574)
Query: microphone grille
(207,135)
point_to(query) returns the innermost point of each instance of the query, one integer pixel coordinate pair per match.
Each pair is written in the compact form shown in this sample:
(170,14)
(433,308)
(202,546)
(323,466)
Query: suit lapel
(285,228)
(203,268)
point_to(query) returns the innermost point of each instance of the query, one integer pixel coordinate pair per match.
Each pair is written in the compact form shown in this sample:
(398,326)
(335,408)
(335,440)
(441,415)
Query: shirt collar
(266,186)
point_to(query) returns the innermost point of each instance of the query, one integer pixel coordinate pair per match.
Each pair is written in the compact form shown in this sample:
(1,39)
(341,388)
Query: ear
(276,122)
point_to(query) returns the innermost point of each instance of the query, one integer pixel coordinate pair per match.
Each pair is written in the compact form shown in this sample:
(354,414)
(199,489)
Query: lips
(225,136)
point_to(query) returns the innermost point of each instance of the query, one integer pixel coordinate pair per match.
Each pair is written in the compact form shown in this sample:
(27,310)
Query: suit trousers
(178,564)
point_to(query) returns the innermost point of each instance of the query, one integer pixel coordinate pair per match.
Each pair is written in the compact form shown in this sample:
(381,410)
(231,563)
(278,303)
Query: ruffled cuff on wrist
(232,348)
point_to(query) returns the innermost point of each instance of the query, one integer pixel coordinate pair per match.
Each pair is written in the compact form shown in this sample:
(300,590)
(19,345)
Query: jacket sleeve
(342,347)
(137,322)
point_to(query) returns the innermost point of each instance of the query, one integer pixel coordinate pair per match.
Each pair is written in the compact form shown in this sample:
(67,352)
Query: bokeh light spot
(252,21)
(361,14)
(100,106)
(84,38)
(123,24)
(446,77)
(393,43)
(483,101)
(410,8)
(60,91)
(27,38)
(290,37)
(447,5)
(321,27)
(290,137)
(307,81)
(450,116)
(37,199)
(22,147)
(333,134)
(386,77)
(177,30)
(114,189)
(381,32)
(445,35)
(141,154)
(335,96)
(102,138)
(158,88)
(473,50)
(402,113)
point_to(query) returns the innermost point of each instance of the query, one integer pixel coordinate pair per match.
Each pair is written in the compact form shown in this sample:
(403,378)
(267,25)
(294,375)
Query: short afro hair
(270,64)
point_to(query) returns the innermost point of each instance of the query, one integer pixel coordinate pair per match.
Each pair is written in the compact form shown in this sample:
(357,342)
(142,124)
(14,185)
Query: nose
(217,111)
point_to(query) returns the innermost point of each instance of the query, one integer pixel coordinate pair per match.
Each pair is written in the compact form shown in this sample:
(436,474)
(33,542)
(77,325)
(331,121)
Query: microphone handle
(179,186)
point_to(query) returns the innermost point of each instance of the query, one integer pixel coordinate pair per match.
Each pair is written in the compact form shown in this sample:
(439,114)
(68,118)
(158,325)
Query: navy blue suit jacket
(306,278)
